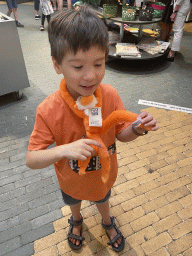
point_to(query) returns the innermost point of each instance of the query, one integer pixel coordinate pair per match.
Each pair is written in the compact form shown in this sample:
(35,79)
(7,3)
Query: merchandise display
(153,46)
(126,49)
(114,37)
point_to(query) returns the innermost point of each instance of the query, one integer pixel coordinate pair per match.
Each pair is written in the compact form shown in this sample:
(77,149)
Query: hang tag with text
(95,118)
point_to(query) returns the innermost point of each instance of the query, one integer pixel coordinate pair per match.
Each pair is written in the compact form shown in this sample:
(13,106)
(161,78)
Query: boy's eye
(98,65)
(79,67)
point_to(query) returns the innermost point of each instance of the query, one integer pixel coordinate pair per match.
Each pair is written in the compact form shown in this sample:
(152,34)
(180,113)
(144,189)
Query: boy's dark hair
(74,30)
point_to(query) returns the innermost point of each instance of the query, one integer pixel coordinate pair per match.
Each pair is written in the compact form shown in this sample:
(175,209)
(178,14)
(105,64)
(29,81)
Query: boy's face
(83,72)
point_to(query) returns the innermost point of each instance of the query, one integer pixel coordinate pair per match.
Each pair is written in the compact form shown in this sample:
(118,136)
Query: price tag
(95,118)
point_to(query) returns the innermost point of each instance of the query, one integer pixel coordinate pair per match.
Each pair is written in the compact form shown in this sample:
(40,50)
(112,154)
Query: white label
(95,118)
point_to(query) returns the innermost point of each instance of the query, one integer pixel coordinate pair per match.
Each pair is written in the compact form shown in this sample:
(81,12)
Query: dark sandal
(71,235)
(119,234)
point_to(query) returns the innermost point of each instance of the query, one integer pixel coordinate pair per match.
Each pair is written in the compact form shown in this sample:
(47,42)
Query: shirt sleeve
(41,136)
(179,2)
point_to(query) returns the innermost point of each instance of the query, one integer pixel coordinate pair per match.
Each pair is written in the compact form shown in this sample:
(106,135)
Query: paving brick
(130,216)
(143,188)
(124,187)
(46,218)
(43,200)
(188,252)
(121,198)
(184,171)
(169,168)
(4,225)
(185,162)
(50,240)
(51,251)
(175,158)
(33,213)
(178,183)
(167,178)
(61,223)
(37,185)
(14,231)
(64,248)
(26,250)
(181,229)
(126,230)
(168,209)
(165,147)
(134,202)
(10,245)
(11,179)
(180,245)
(136,173)
(7,188)
(12,212)
(33,235)
(155,204)
(186,213)
(27,181)
(127,160)
(166,223)
(156,243)
(12,194)
(138,164)
(176,150)
(157,192)
(120,179)
(186,201)
(144,221)
(146,153)
(141,236)
(57,204)
(158,157)
(177,194)
(161,252)
(157,165)
(148,177)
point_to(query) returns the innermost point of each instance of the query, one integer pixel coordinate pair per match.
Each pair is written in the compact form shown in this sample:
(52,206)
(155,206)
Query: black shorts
(72,201)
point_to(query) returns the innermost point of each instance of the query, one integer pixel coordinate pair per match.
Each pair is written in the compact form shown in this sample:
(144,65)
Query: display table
(13,75)
(129,38)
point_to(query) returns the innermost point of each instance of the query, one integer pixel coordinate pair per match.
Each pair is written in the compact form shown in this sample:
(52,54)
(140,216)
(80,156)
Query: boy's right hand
(80,149)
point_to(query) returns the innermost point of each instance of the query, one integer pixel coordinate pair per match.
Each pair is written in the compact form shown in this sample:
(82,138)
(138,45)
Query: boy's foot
(37,17)
(75,238)
(42,28)
(117,241)
(18,24)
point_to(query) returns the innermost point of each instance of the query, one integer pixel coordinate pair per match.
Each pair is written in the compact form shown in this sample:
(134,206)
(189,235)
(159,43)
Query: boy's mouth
(89,87)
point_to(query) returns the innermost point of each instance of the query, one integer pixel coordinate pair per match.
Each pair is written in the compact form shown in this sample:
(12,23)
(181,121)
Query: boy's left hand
(148,121)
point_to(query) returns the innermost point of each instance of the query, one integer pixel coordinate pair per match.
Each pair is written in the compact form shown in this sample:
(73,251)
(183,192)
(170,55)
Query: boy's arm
(77,150)
(127,134)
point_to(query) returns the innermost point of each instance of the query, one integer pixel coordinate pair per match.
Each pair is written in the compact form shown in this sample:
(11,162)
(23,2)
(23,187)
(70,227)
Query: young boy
(79,48)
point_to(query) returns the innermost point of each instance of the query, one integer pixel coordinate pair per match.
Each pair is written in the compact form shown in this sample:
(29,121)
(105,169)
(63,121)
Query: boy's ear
(56,66)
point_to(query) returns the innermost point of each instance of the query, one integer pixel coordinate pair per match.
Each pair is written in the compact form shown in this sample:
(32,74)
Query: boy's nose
(90,75)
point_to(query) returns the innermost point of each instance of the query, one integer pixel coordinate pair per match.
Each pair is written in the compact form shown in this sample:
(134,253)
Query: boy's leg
(75,209)
(104,211)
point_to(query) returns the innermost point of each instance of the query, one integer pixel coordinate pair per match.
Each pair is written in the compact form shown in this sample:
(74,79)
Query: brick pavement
(30,200)
(151,199)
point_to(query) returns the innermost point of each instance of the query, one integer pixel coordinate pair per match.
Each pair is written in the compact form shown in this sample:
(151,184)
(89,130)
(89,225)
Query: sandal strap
(112,241)
(75,223)
(107,227)
(80,238)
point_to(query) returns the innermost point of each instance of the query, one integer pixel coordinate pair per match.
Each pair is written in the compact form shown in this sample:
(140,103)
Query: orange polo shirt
(56,122)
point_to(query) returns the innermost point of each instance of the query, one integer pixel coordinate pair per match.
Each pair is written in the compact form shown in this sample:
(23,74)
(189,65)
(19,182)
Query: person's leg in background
(42,22)
(12,7)
(36,7)
(54,5)
(48,18)
(60,4)
(166,29)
